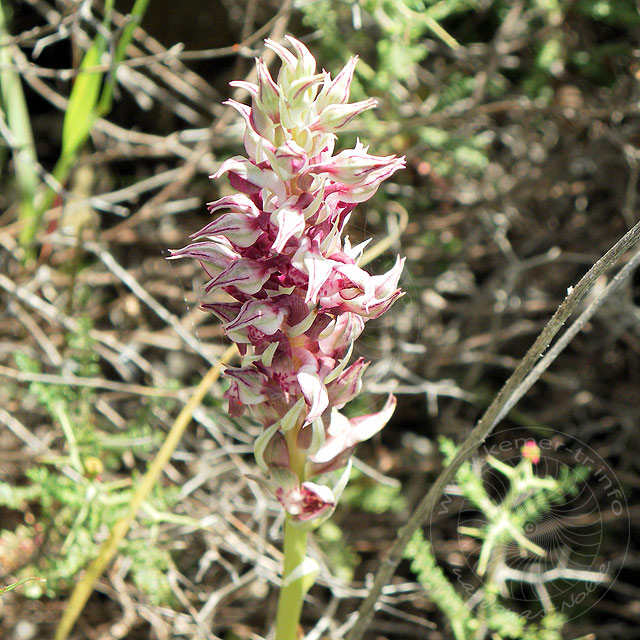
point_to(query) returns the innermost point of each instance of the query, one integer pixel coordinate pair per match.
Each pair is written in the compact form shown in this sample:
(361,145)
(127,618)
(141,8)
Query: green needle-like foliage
(440,590)
(75,497)
(528,498)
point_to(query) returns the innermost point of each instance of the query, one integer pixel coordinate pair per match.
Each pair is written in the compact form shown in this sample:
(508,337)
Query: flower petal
(290,223)
(343,433)
(246,275)
(240,229)
(315,394)
(262,315)
(363,427)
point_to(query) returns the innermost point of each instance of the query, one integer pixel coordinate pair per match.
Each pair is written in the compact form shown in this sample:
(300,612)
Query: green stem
(292,594)
(67,429)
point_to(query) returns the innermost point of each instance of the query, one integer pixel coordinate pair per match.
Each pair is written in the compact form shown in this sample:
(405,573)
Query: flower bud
(337,116)
(337,91)
(531,451)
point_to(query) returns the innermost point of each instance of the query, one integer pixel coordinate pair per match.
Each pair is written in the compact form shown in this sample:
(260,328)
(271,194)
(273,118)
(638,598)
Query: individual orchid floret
(240,227)
(246,386)
(248,178)
(307,503)
(354,165)
(247,276)
(347,385)
(294,66)
(343,434)
(289,222)
(363,189)
(344,329)
(256,314)
(303,501)
(215,257)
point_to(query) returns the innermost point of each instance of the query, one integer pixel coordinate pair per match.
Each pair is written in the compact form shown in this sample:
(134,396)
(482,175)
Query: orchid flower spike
(285,284)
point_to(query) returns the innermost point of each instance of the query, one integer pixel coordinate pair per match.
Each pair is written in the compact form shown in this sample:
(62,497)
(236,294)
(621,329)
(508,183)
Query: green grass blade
(89,98)
(17,118)
(79,117)
(81,112)
(134,19)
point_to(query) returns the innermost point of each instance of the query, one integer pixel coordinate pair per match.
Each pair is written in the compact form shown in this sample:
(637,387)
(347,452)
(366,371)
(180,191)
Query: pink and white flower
(285,283)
